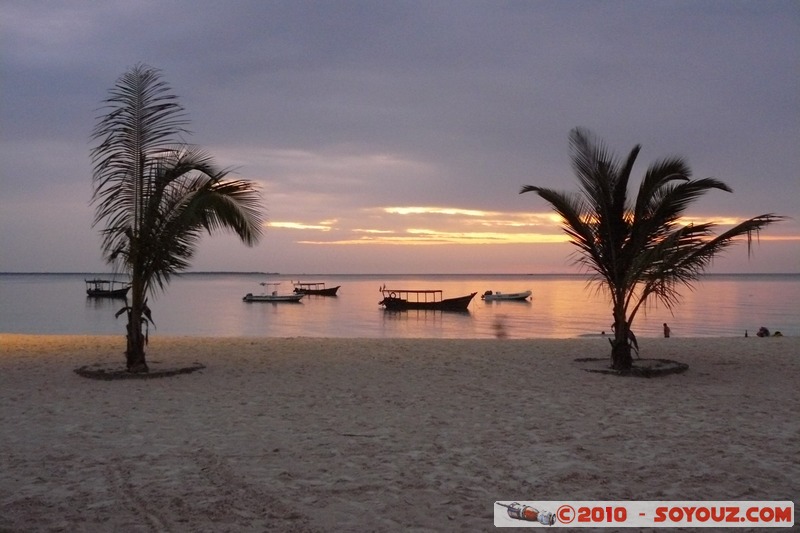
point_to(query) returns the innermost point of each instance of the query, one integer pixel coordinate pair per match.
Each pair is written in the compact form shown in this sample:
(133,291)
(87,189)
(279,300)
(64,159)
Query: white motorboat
(272,296)
(498,296)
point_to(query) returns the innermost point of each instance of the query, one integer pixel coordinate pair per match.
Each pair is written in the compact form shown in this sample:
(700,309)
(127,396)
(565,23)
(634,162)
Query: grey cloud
(477,97)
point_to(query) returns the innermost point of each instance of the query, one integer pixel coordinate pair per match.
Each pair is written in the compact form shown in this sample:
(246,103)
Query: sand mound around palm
(642,368)
(112,371)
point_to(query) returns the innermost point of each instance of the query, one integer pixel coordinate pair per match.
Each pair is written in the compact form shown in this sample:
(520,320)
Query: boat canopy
(429,295)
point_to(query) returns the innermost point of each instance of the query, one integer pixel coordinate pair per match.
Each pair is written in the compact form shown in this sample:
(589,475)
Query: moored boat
(498,296)
(318,289)
(105,288)
(402,300)
(272,296)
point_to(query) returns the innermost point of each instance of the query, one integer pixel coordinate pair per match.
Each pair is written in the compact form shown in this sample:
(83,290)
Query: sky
(394,137)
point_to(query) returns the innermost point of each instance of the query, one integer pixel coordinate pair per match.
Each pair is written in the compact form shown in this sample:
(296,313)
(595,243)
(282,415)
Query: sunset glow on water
(561,307)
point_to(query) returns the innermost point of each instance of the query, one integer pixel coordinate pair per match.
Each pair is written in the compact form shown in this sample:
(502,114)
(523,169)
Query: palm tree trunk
(621,358)
(134,353)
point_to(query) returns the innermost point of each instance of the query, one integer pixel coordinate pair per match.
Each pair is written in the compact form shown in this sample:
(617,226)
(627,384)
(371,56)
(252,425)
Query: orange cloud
(430,225)
(437,211)
(425,236)
(300,226)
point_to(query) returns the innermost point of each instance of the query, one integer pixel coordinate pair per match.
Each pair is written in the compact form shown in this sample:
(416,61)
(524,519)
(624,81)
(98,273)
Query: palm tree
(638,250)
(157,195)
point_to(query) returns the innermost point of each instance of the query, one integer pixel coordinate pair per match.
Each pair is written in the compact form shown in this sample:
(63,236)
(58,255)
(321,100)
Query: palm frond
(749,229)
(155,194)
(659,268)
(670,194)
(194,198)
(620,193)
(142,119)
(234,205)
(577,224)
(658,175)
(593,165)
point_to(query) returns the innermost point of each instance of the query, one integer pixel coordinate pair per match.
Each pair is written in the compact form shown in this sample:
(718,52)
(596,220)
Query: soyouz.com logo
(644,514)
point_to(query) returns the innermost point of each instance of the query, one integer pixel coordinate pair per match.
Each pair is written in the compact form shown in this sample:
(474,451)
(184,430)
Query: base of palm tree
(109,372)
(642,368)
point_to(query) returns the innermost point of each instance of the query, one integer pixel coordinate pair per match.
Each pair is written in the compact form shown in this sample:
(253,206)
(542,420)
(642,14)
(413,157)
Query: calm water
(562,306)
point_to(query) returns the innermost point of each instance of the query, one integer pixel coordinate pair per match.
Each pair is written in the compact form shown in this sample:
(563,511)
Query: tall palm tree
(638,250)
(157,195)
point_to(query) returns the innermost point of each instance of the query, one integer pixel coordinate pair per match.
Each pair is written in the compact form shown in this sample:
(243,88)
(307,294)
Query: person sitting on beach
(762,332)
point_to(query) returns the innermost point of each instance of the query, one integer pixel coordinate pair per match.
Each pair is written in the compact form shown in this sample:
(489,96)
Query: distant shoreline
(380,274)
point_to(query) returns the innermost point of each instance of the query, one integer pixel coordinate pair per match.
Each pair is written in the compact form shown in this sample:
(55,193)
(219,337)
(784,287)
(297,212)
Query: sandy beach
(310,434)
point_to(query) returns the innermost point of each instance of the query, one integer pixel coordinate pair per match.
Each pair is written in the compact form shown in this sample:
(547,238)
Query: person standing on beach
(666,331)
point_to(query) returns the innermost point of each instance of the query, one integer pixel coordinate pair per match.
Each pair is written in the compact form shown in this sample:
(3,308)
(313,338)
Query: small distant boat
(318,289)
(402,300)
(273,296)
(498,296)
(106,288)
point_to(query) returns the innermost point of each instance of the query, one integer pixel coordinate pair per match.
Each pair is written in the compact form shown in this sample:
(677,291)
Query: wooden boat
(315,288)
(273,296)
(401,300)
(498,296)
(105,288)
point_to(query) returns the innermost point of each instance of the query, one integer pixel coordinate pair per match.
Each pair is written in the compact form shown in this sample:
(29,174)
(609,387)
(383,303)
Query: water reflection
(424,323)
(561,306)
(106,303)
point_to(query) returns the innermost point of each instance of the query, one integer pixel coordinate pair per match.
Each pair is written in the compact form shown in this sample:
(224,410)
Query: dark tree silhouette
(157,195)
(638,249)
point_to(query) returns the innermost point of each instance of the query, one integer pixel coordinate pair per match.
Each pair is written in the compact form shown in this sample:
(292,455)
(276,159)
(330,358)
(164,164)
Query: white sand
(382,435)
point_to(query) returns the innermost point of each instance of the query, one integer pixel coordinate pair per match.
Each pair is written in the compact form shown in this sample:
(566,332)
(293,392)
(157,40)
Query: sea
(561,306)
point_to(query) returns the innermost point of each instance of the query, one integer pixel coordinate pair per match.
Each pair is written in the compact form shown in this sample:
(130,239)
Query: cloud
(299,225)
(443,225)
(341,110)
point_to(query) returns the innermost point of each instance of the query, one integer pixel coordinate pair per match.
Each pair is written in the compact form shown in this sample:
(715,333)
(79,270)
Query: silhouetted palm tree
(157,195)
(638,250)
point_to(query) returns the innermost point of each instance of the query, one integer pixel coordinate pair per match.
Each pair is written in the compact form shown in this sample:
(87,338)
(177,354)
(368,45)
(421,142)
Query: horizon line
(318,274)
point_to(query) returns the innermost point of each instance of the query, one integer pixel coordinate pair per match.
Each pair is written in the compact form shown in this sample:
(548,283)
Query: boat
(273,296)
(106,288)
(315,288)
(498,296)
(402,299)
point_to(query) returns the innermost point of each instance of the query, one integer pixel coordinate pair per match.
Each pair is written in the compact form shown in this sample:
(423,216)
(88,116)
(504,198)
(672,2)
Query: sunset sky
(393,137)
